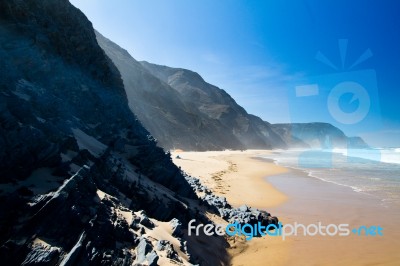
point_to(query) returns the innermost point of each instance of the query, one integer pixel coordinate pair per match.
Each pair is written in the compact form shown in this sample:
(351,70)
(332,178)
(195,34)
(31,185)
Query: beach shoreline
(245,178)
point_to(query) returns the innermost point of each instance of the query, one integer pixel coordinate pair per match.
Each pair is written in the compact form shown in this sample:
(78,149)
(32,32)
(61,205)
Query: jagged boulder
(152,258)
(145,221)
(176,226)
(145,253)
(40,255)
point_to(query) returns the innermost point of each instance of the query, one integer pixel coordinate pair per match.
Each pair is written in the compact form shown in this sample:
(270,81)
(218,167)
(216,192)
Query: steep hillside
(216,104)
(172,121)
(316,135)
(81,180)
(182,111)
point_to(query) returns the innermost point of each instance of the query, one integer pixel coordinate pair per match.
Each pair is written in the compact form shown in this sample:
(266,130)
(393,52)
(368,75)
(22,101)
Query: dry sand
(239,176)
(233,174)
(292,196)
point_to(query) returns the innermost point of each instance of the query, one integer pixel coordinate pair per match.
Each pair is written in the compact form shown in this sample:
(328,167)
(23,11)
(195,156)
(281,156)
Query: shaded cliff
(81,180)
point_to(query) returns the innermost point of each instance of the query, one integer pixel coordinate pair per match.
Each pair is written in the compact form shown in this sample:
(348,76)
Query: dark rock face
(168,247)
(316,135)
(59,28)
(47,91)
(183,111)
(59,221)
(73,156)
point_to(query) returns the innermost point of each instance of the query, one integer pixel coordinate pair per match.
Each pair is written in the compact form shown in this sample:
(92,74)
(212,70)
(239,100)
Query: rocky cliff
(81,181)
(215,104)
(183,111)
(316,135)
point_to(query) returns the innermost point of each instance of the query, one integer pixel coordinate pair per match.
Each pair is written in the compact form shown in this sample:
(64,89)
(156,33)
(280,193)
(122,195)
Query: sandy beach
(243,178)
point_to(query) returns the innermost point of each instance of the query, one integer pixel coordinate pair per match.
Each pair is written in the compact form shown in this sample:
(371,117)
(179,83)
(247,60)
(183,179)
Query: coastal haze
(259,52)
(182,111)
(106,160)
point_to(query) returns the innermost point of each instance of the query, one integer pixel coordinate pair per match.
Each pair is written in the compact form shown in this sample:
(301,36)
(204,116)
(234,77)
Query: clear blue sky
(259,51)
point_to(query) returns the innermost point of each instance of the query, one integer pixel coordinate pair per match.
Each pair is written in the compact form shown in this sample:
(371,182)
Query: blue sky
(259,51)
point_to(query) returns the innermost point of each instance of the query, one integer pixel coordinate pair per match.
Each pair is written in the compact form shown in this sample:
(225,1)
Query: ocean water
(371,171)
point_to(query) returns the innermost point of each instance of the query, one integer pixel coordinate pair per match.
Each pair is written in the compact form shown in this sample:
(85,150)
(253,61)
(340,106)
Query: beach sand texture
(243,178)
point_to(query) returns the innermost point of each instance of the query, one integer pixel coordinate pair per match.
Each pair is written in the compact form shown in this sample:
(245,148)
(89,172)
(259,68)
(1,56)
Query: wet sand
(312,201)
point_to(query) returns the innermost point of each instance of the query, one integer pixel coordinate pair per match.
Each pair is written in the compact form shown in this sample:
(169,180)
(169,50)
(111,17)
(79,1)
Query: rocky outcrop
(241,215)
